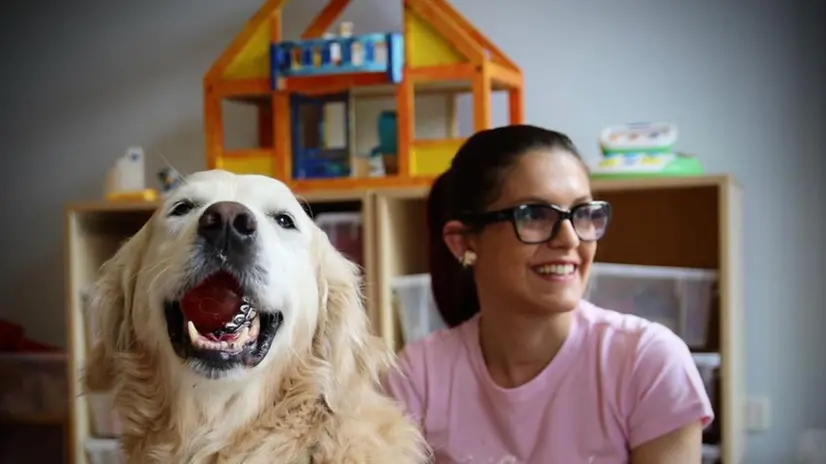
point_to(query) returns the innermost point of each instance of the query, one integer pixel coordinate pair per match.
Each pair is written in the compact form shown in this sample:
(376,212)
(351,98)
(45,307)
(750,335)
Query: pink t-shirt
(618,381)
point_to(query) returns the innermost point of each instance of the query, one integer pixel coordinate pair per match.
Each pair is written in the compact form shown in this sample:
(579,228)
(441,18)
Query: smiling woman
(529,371)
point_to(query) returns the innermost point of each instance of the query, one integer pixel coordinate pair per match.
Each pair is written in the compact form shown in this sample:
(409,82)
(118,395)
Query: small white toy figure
(335,49)
(126,180)
(170,180)
(345,29)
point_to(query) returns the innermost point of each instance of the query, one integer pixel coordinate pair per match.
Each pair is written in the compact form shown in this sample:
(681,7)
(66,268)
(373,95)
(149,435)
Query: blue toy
(388,136)
(313,157)
(338,55)
(386,152)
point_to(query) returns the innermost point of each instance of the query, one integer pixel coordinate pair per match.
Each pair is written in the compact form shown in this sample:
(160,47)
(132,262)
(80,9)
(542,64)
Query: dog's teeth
(242,339)
(193,332)
(252,331)
(243,334)
(203,344)
(239,319)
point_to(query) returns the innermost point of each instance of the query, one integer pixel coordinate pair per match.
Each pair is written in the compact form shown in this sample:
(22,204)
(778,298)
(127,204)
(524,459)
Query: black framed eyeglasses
(539,223)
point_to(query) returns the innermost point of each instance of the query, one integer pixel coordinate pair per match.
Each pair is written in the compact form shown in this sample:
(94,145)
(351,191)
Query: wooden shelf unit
(683,222)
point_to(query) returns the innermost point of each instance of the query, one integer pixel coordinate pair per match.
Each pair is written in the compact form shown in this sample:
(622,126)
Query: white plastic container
(678,298)
(416,307)
(711,454)
(639,136)
(33,385)
(104,451)
(105,420)
(344,231)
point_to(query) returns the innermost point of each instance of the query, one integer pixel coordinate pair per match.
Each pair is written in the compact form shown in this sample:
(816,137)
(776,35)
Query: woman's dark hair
(472,183)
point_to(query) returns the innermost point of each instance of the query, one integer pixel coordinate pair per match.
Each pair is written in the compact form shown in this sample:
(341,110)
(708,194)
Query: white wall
(742,78)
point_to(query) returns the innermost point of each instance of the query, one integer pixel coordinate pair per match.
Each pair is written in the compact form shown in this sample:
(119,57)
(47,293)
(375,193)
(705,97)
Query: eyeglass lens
(538,223)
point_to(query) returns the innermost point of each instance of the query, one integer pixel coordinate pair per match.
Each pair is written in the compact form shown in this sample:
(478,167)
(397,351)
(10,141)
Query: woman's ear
(454,233)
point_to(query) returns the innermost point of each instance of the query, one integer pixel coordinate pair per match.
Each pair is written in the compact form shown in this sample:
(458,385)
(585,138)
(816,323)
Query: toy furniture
(300,87)
(387,149)
(316,155)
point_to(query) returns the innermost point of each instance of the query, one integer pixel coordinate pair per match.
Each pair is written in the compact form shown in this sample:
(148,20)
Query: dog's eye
(181,208)
(284,220)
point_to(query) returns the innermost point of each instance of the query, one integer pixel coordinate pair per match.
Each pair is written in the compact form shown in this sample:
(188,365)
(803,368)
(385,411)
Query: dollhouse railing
(379,52)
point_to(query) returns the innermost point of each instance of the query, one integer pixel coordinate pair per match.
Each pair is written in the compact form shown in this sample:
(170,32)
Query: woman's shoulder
(629,336)
(661,388)
(434,349)
(609,323)
(423,366)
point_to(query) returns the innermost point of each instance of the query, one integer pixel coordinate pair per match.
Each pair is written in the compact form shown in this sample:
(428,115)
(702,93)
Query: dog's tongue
(213,302)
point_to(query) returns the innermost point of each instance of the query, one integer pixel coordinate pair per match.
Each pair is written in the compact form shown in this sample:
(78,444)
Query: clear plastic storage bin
(104,451)
(417,310)
(678,298)
(711,454)
(105,420)
(86,310)
(708,365)
(344,231)
(33,385)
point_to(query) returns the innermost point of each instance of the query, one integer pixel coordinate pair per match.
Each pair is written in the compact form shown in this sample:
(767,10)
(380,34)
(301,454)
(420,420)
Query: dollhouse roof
(447,31)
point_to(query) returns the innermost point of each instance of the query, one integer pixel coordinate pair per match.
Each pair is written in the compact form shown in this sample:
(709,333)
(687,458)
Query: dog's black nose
(227,225)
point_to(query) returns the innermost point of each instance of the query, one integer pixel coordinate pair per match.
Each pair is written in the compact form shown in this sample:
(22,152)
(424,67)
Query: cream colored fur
(315,396)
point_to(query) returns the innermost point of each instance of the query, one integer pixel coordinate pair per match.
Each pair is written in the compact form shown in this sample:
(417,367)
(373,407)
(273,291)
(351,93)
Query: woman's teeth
(556,269)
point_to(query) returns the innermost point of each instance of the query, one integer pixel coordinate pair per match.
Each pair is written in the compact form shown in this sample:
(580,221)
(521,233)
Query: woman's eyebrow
(544,201)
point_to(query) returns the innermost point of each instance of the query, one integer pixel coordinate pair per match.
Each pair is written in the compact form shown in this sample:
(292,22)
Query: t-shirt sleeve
(406,382)
(666,389)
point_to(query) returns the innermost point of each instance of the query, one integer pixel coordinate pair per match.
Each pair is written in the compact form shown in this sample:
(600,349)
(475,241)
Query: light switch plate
(758,414)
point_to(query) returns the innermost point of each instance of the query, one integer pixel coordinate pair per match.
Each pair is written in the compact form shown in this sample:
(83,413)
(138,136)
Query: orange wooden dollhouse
(291,84)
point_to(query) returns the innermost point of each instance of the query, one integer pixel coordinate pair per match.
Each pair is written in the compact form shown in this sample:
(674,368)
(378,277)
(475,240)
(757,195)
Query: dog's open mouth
(216,324)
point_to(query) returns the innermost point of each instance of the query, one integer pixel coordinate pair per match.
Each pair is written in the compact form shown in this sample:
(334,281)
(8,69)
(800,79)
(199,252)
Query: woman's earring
(468,259)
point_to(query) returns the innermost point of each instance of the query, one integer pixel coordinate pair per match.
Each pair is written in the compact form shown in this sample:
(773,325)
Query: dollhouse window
(322,123)
(321,142)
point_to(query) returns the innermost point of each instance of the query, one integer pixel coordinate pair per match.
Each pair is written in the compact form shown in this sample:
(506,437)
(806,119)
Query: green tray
(682,166)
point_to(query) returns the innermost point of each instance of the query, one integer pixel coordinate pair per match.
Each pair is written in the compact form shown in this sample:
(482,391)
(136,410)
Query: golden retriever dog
(232,331)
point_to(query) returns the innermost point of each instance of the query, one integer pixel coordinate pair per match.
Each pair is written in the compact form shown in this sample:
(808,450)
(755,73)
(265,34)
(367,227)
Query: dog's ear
(342,338)
(110,308)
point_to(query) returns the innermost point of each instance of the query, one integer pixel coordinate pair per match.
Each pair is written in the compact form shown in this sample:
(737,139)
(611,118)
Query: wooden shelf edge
(34,419)
(648,183)
(148,207)
(421,191)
